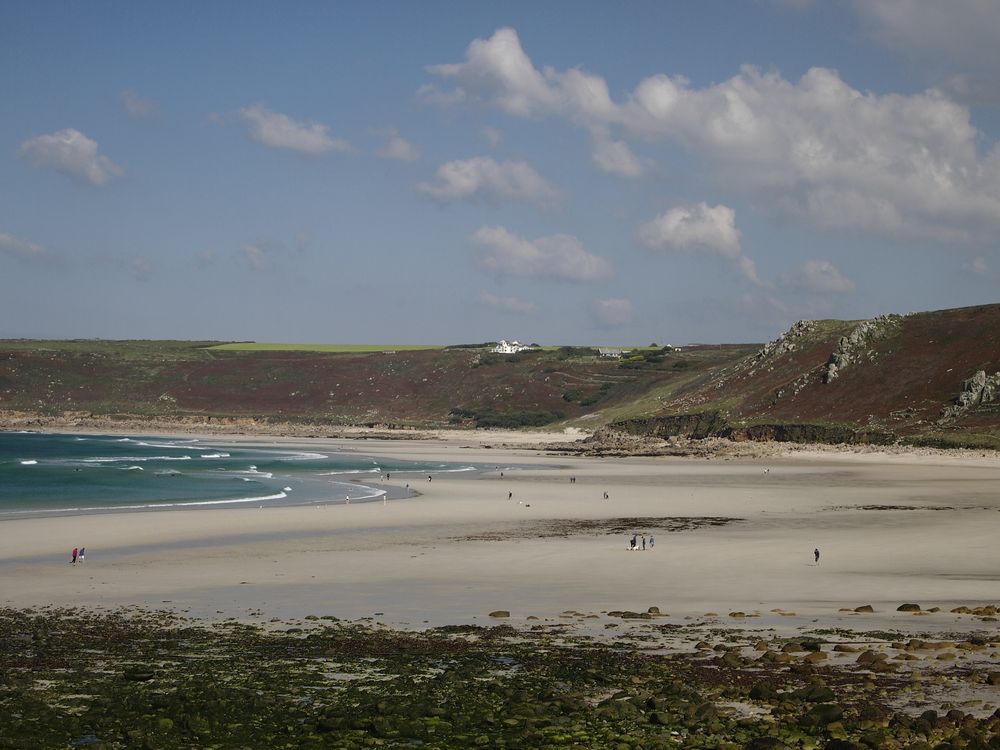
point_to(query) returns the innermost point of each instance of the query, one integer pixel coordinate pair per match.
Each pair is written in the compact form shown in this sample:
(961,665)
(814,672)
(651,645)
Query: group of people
(634,542)
(77,555)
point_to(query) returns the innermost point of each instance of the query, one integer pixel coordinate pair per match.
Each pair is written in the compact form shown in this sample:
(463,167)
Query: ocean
(53,474)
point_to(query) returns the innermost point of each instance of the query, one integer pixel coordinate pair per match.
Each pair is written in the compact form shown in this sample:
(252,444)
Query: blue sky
(559,172)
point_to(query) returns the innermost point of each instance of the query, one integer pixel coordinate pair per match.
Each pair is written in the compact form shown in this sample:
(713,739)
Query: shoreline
(893,528)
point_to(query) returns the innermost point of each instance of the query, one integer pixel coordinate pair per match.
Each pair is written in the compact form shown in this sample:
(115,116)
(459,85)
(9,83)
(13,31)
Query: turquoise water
(45,474)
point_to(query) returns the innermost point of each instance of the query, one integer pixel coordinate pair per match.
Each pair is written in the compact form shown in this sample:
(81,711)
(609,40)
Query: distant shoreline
(571,441)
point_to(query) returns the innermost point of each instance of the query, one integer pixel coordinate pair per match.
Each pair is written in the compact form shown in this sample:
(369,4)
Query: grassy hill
(460,386)
(911,378)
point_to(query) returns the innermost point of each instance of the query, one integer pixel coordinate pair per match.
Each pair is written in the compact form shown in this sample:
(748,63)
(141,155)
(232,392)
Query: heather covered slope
(462,386)
(931,378)
(925,377)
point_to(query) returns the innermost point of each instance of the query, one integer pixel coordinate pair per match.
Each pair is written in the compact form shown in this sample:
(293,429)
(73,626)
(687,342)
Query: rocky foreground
(155,680)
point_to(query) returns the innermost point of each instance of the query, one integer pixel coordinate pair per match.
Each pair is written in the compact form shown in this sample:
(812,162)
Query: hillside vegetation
(430,387)
(926,378)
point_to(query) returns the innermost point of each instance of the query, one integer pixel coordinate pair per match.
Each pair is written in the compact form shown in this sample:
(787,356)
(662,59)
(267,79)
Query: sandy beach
(730,535)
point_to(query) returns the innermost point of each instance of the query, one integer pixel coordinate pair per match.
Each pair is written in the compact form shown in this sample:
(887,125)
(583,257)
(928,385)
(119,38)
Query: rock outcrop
(857,345)
(977,390)
(784,344)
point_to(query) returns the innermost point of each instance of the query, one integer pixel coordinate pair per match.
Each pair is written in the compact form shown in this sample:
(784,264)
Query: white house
(509,347)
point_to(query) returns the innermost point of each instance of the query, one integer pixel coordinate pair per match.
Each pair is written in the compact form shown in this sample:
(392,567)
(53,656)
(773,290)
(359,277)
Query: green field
(252,346)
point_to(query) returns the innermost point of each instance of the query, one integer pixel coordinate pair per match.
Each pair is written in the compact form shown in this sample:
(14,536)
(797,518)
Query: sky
(566,172)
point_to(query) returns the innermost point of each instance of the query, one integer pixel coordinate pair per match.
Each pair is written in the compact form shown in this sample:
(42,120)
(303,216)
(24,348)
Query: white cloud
(819,276)
(613,311)
(137,107)
(560,256)
(275,130)
(977,266)
(483,178)
(498,70)
(815,149)
(397,147)
(73,154)
(18,248)
(614,157)
(254,256)
(508,304)
(493,136)
(699,228)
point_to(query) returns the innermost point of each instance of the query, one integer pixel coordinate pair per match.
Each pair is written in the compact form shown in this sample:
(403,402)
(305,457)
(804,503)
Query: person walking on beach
(631,544)
(816,555)
(644,541)
(80,556)
(652,541)
(510,495)
(74,553)
(605,495)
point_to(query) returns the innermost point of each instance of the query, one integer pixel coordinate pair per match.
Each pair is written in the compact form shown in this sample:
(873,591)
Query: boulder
(864,608)
(815,694)
(909,607)
(500,613)
(822,714)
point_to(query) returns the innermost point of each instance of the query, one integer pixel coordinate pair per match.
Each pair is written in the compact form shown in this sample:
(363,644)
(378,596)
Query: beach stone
(864,608)
(969,646)
(822,714)
(731,659)
(882,666)
(500,613)
(815,694)
(775,657)
(841,745)
(814,657)
(870,657)
(993,678)
(653,610)
(765,743)
(908,607)
(763,692)
(845,648)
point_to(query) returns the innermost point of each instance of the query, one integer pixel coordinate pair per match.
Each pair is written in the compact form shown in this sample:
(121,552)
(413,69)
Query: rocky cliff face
(978,390)
(857,345)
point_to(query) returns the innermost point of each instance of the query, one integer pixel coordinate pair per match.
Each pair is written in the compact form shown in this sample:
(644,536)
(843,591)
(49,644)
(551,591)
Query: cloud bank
(815,149)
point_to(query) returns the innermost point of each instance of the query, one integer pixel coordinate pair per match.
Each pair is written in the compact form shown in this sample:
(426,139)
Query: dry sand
(891,529)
